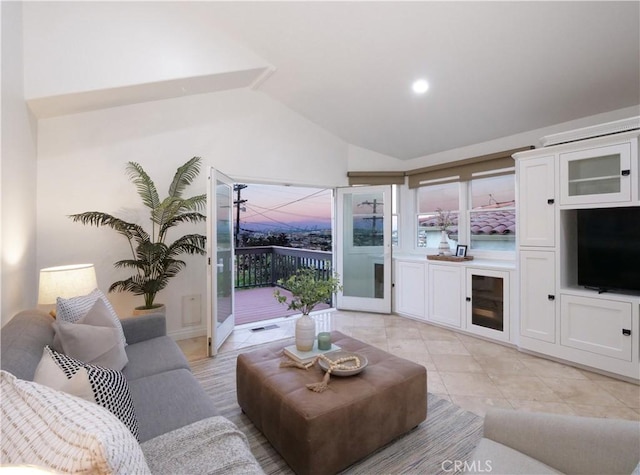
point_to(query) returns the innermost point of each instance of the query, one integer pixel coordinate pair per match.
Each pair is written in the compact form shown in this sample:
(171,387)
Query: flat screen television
(609,248)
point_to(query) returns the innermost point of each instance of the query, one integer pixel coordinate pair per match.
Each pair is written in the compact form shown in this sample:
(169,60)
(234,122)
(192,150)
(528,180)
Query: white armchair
(516,442)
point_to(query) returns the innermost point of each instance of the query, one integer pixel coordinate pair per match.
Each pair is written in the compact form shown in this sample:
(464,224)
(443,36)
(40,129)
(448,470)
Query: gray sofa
(516,442)
(167,398)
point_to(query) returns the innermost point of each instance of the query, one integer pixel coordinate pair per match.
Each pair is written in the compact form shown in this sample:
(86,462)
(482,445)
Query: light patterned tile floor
(471,372)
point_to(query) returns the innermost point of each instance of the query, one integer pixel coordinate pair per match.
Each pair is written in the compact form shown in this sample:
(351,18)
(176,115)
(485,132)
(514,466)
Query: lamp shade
(66,282)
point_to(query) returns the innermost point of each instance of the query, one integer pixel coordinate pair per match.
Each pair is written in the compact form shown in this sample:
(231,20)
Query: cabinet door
(410,288)
(537,295)
(596,175)
(597,325)
(445,296)
(536,201)
(488,303)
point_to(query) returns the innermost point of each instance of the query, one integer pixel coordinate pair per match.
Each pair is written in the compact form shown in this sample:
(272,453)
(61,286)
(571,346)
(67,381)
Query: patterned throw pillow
(106,387)
(73,309)
(45,427)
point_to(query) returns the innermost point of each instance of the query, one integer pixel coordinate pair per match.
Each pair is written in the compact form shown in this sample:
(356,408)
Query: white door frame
(375,254)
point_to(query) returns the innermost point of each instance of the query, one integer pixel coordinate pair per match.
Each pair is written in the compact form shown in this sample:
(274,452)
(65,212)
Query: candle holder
(324,341)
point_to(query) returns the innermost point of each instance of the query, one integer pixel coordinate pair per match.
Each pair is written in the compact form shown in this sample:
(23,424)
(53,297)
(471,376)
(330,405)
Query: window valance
(376,178)
(494,164)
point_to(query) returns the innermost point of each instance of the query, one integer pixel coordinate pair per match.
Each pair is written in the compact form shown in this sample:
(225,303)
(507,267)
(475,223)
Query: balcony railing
(265,265)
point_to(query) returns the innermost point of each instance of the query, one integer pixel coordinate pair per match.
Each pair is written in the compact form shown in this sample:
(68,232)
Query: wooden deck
(257,304)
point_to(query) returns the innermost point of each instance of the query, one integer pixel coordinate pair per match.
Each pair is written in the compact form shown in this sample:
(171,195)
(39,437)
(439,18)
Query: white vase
(305,333)
(443,247)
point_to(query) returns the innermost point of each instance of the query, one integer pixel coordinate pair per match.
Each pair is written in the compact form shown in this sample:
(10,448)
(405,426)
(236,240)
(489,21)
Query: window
(492,217)
(481,213)
(438,210)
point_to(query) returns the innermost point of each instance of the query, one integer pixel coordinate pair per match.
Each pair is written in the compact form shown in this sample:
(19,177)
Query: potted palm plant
(308,289)
(154,260)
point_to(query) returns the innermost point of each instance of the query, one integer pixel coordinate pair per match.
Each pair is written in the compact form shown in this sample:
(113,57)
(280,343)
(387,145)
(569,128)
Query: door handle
(551,297)
(550,201)
(468,299)
(626,332)
(625,172)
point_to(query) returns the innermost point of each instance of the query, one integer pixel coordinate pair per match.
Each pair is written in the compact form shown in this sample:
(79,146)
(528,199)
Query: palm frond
(184,176)
(144,184)
(183,218)
(97,218)
(188,244)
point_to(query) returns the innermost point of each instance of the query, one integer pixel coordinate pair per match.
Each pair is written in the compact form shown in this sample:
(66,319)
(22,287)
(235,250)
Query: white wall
(82,157)
(18,271)
(359,160)
(72,47)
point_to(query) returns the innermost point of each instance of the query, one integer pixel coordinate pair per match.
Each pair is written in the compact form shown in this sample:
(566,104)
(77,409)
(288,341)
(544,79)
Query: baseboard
(190,332)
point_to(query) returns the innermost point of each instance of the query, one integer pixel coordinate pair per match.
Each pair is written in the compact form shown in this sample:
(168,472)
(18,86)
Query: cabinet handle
(551,297)
(626,332)
(468,299)
(550,201)
(625,172)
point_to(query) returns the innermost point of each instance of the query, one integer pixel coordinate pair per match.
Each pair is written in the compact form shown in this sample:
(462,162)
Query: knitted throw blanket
(210,446)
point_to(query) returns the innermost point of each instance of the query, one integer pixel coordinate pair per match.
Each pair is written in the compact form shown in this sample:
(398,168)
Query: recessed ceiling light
(420,86)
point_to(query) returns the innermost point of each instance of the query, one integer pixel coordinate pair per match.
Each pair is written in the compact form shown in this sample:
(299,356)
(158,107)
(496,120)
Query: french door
(363,257)
(220,296)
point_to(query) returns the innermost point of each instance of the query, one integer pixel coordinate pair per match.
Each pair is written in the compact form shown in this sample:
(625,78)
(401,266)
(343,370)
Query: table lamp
(66,282)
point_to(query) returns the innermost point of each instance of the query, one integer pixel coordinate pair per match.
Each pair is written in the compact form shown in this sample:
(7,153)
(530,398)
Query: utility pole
(374,219)
(237,203)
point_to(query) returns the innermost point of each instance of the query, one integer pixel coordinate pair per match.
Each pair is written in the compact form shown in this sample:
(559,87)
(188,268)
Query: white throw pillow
(73,309)
(45,427)
(94,338)
(103,386)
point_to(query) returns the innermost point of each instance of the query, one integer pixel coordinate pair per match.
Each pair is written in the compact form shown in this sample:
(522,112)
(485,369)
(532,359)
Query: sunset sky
(271,207)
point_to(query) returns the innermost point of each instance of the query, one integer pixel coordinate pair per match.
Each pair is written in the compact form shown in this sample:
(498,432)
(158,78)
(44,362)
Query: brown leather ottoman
(323,433)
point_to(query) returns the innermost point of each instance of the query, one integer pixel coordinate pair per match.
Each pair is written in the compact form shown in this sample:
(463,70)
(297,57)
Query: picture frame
(461,250)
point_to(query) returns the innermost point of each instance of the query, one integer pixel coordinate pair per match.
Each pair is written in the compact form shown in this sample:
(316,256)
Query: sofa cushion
(23,339)
(212,445)
(65,433)
(153,356)
(168,401)
(73,309)
(105,387)
(94,339)
(495,458)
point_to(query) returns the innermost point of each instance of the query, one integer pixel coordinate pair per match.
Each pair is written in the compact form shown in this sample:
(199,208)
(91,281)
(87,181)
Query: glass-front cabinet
(488,303)
(601,174)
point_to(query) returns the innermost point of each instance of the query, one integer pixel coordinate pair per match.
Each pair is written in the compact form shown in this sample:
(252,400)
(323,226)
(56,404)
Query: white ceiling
(495,68)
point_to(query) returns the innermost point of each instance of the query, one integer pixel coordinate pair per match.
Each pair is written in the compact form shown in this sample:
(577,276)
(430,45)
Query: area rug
(449,434)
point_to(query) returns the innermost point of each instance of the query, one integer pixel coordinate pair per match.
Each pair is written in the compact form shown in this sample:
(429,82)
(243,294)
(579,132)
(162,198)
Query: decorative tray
(344,372)
(435,257)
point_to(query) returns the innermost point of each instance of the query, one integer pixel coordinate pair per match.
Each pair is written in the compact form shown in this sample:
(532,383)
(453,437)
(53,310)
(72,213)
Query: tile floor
(470,372)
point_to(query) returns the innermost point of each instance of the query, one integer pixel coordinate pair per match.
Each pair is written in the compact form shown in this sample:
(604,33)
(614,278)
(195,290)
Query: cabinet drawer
(597,325)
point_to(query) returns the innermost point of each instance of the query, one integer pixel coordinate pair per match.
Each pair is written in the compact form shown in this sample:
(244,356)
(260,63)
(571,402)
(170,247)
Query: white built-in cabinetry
(470,296)
(556,317)
(445,294)
(410,285)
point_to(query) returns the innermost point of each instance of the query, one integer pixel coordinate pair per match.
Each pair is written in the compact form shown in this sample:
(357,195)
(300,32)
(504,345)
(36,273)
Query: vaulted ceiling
(494,68)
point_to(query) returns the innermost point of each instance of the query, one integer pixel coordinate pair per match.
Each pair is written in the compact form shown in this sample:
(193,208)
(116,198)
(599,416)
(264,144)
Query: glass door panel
(221,256)
(487,302)
(596,175)
(364,248)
